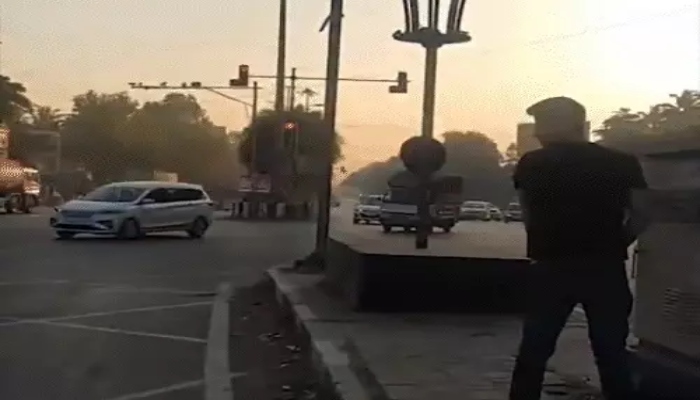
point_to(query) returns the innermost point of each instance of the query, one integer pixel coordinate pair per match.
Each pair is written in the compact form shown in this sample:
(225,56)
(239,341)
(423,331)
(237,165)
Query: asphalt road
(105,319)
(112,320)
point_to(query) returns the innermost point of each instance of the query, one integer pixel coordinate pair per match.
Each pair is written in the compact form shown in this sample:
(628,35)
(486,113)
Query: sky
(606,54)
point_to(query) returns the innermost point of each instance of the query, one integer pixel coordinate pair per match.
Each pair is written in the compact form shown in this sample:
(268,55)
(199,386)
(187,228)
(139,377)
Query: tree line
(486,172)
(111,135)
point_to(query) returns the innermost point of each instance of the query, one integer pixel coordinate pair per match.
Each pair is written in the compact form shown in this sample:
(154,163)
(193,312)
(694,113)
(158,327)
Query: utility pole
(329,113)
(292,89)
(281,57)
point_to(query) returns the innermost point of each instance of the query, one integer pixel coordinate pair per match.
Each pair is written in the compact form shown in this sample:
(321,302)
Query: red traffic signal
(243,77)
(290,134)
(401,83)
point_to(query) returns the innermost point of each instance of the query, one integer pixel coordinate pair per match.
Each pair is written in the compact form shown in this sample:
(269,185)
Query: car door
(154,212)
(184,205)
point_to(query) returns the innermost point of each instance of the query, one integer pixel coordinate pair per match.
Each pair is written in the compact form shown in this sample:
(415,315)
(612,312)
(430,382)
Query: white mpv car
(130,210)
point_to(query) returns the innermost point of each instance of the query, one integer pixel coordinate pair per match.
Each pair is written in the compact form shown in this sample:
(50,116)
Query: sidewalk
(424,356)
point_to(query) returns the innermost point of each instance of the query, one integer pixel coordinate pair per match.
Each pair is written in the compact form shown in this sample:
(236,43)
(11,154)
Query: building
(526,141)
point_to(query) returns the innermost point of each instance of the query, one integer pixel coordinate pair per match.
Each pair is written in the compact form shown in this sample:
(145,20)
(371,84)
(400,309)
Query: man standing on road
(580,216)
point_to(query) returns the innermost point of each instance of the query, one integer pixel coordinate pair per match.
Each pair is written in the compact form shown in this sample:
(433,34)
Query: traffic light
(243,77)
(401,83)
(290,134)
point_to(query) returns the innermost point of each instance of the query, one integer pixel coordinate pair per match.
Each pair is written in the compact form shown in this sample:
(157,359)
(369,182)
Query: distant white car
(475,210)
(129,210)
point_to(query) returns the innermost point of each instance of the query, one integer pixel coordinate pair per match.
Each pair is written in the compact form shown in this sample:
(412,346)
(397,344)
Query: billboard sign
(257,183)
(4,142)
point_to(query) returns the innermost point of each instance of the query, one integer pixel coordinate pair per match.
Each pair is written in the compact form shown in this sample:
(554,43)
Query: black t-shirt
(577,194)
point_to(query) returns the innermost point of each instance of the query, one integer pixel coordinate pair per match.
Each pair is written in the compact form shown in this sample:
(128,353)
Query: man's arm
(637,219)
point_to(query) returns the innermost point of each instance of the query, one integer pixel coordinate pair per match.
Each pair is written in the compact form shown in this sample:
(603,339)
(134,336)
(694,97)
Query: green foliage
(471,155)
(272,157)
(267,131)
(626,126)
(110,135)
(13,102)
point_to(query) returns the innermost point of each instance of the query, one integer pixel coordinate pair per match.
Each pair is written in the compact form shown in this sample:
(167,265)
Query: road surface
(105,319)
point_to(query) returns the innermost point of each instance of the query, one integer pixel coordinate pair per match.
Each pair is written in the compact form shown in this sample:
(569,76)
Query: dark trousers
(602,289)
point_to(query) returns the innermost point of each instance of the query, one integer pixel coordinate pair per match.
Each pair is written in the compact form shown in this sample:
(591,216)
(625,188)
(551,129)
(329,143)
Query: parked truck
(20,186)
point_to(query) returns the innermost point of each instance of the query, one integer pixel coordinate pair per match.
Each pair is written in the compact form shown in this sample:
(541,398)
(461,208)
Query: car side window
(188,195)
(158,195)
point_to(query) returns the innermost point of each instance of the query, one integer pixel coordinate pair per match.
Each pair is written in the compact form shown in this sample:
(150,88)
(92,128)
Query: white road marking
(167,389)
(120,331)
(216,366)
(331,354)
(19,321)
(29,283)
(304,312)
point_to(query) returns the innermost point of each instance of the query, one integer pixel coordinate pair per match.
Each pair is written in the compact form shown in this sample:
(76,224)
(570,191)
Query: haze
(605,53)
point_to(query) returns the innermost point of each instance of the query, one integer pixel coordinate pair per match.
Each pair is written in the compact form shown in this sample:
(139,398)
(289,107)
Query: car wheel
(11,205)
(355,221)
(386,228)
(130,230)
(198,229)
(447,229)
(64,235)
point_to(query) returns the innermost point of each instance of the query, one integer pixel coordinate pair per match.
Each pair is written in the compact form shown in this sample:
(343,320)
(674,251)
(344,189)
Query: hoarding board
(4,142)
(255,184)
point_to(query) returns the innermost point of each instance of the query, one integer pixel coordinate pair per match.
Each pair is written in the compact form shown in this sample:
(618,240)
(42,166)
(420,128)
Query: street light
(431,38)
(428,35)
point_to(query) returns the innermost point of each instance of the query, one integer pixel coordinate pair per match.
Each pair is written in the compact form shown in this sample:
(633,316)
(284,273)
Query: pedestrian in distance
(582,207)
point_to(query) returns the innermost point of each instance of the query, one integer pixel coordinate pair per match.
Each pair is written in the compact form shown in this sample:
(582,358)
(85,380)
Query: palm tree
(624,124)
(45,117)
(684,113)
(13,102)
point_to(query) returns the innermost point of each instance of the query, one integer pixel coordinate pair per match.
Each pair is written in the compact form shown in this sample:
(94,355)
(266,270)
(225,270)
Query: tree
(273,158)
(625,127)
(471,155)
(45,117)
(13,102)
(93,135)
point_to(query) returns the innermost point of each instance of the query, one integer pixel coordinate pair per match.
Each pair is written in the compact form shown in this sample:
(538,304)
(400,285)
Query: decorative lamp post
(424,155)
(431,38)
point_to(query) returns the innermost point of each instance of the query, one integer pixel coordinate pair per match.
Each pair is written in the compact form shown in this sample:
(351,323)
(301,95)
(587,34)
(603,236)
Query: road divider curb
(336,361)
(217,374)
(271,211)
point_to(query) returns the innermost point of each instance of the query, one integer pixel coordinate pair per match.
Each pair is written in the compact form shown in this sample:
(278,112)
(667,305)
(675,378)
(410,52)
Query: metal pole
(293,89)
(253,138)
(281,57)
(425,225)
(332,71)
(255,100)
(429,91)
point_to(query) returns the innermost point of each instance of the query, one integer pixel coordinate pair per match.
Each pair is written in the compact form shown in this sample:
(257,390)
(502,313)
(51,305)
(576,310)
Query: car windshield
(474,204)
(114,194)
(371,200)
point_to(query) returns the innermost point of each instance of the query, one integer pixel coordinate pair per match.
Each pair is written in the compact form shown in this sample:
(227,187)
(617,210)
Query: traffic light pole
(213,89)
